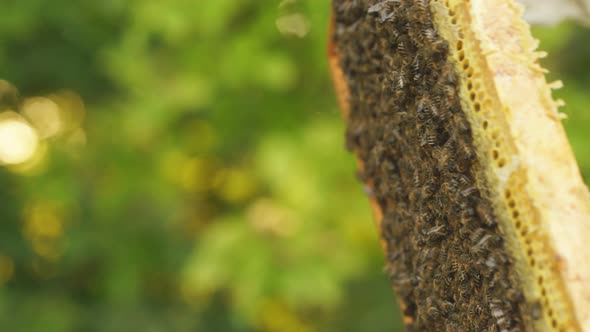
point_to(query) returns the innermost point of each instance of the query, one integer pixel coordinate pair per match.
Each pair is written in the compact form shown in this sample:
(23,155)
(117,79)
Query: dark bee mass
(445,254)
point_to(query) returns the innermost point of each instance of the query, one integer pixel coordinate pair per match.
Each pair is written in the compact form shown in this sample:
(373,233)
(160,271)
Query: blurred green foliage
(204,185)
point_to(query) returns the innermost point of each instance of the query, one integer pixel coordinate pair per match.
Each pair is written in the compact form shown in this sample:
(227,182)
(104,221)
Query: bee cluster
(445,253)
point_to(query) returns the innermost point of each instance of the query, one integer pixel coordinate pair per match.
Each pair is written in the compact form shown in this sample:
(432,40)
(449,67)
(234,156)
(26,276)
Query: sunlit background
(180,166)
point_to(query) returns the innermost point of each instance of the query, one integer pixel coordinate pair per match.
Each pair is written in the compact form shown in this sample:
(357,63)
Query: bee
(514,295)
(496,309)
(485,214)
(491,262)
(354,133)
(416,69)
(428,190)
(428,138)
(463,179)
(477,235)
(536,309)
(382,8)
(401,47)
(387,166)
(429,34)
(407,26)
(422,109)
(482,245)
(426,217)
(435,111)
(451,326)
(377,152)
(401,77)
(502,259)
(460,122)
(427,254)
(448,188)
(436,232)
(394,256)
(440,49)
(468,191)
(416,178)
(369,191)
(422,6)
(443,256)
(465,231)
(451,165)
(432,310)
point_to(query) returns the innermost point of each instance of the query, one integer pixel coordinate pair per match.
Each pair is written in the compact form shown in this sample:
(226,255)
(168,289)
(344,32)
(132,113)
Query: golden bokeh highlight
(72,109)
(25,136)
(18,140)
(45,115)
(267,217)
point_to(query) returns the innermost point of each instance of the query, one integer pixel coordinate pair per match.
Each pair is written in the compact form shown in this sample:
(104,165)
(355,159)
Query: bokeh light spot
(18,140)
(268,217)
(293,25)
(45,116)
